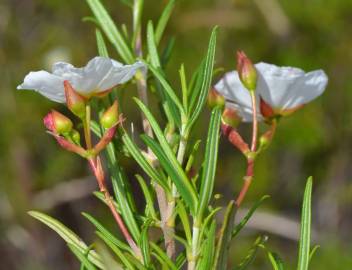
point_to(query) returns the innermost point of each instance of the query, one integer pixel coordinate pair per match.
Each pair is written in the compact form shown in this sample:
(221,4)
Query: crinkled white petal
(309,87)
(237,95)
(49,85)
(99,75)
(287,87)
(119,74)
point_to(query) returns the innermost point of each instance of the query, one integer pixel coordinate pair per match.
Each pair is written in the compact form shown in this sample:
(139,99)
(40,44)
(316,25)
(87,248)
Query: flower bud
(110,117)
(215,99)
(230,118)
(57,122)
(246,71)
(75,102)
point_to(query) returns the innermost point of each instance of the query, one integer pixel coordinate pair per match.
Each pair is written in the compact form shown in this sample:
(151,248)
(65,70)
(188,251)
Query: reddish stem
(99,174)
(250,160)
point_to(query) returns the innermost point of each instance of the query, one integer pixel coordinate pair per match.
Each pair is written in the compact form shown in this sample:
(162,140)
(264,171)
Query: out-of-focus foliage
(316,141)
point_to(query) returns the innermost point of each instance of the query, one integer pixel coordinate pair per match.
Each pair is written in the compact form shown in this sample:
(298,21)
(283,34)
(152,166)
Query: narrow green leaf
(175,172)
(207,221)
(208,249)
(313,251)
(167,52)
(182,213)
(181,260)
(195,85)
(111,31)
(163,255)
(102,50)
(304,242)
(210,162)
(81,257)
(249,214)
(107,258)
(164,18)
(141,160)
(276,262)
(119,187)
(207,75)
(67,235)
(152,49)
(221,254)
(184,87)
(121,255)
(137,17)
(148,198)
(191,156)
(248,260)
(144,243)
(107,233)
(166,86)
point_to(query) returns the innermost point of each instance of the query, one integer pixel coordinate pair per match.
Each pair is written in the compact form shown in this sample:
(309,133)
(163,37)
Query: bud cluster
(61,127)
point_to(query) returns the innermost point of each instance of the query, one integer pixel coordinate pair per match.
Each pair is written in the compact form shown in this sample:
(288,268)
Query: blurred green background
(317,140)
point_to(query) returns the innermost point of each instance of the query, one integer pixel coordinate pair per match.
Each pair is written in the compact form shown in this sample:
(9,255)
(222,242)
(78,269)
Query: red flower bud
(246,71)
(57,122)
(111,116)
(75,102)
(215,99)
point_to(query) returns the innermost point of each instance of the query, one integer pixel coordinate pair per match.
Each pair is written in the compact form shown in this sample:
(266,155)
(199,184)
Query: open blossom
(280,90)
(98,76)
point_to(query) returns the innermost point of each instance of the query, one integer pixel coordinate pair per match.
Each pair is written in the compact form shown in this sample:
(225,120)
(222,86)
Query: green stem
(193,256)
(86,127)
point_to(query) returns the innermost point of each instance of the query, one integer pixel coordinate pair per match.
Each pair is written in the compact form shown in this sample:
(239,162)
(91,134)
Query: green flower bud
(110,117)
(246,71)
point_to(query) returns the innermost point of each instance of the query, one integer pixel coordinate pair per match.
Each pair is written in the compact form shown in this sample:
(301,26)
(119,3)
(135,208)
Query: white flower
(283,89)
(99,75)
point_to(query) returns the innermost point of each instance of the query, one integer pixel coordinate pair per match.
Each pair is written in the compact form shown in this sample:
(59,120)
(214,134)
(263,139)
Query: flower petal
(86,79)
(285,88)
(49,85)
(99,75)
(119,74)
(237,95)
(309,87)
(276,84)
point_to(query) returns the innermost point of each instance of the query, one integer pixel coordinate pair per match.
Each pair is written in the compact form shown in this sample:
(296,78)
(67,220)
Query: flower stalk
(248,178)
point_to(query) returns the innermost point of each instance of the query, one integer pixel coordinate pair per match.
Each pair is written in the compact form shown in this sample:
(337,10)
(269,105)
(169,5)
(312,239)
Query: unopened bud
(231,118)
(57,122)
(246,71)
(75,102)
(215,99)
(110,117)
